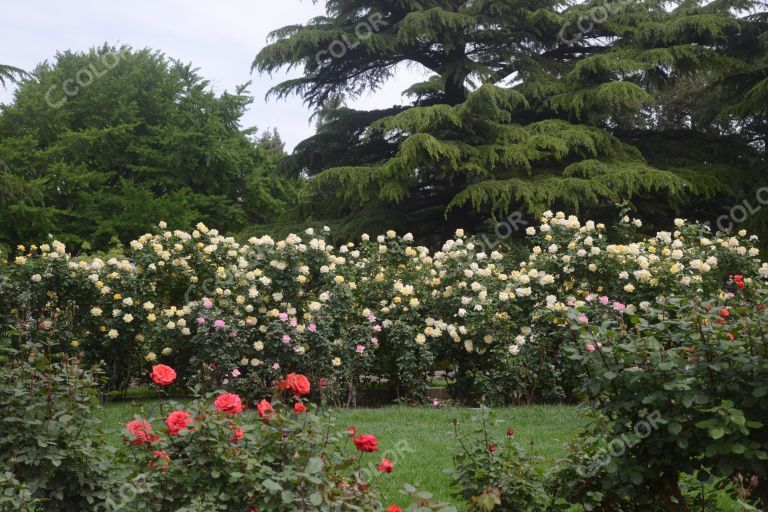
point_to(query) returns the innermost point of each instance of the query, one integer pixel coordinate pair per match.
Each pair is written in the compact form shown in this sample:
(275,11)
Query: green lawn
(420,441)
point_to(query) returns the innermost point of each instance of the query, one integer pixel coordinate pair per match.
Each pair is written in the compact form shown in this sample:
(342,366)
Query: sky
(221,38)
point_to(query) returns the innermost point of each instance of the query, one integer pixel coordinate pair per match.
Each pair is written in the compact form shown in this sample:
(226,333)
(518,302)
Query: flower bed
(382,310)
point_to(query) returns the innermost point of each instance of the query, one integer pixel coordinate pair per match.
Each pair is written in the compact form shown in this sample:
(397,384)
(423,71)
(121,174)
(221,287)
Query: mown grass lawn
(420,441)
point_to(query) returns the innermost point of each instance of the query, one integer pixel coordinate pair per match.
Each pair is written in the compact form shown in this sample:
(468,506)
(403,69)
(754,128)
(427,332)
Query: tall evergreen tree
(11,75)
(527,107)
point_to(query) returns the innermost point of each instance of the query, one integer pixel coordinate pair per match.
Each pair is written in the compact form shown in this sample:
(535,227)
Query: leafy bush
(212,454)
(15,496)
(678,390)
(382,310)
(50,441)
(496,475)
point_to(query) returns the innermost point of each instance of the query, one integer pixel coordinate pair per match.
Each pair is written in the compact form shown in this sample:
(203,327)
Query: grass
(420,441)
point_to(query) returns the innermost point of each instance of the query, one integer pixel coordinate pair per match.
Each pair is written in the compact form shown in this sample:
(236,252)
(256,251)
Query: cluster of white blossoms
(464,295)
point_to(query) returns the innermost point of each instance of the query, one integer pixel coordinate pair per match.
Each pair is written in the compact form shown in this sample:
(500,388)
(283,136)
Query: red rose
(385,466)
(177,421)
(160,454)
(299,408)
(141,431)
(723,313)
(297,383)
(491,448)
(237,433)
(738,277)
(394,508)
(367,443)
(740,284)
(265,409)
(510,432)
(162,375)
(229,403)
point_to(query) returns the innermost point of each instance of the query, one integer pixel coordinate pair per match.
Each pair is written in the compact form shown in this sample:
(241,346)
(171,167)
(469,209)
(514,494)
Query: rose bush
(52,449)
(216,455)
(380,310)
(211,454)
(491,474)
(677,389)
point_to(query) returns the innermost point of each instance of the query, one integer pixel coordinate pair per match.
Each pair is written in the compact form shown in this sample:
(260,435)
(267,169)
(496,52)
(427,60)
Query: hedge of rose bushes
(382,309)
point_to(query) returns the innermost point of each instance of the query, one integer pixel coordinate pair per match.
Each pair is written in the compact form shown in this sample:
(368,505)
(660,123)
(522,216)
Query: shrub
(15,496)
(495,475)
(378,310)
(50,441)
(214,455)
(677,389)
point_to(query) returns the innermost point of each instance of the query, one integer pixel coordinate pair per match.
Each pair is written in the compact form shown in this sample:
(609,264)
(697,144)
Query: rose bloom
(229,403)
(394,508)
(367,443)
(160,454)
(162,375)
(297,383)
(141,431)
(265,409)
(385,466)
(177,421)
(299,408)
(237,433)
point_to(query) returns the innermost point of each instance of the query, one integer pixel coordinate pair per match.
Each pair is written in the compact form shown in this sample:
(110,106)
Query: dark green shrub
(50,440)
(495,475)
(678,391)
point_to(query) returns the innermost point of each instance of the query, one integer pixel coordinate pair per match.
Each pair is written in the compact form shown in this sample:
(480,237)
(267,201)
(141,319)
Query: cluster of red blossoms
(738,279)
(231,404)
(368,443)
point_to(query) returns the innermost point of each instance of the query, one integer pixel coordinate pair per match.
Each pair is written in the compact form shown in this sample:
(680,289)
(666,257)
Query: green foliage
(521,96)
(51,442)
(15,496)
(105,143)
(492,474)
(11,75)
(288,462)
(675,390)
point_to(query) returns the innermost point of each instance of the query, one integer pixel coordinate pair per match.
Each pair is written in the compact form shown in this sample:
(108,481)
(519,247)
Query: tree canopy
(529,105)
(102,145)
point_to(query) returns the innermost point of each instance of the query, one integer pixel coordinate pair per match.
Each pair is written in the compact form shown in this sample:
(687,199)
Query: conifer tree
(11,75)
(529,105)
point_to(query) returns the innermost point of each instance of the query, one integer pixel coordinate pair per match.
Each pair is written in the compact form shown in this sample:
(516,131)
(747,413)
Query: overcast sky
(219,37)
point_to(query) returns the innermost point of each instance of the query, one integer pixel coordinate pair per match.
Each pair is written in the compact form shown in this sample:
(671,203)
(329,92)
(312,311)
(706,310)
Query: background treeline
(146,140)
(528,106)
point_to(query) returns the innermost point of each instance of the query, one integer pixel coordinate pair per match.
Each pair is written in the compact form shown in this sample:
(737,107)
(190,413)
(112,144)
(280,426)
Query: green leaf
(271,485)
(314,465)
